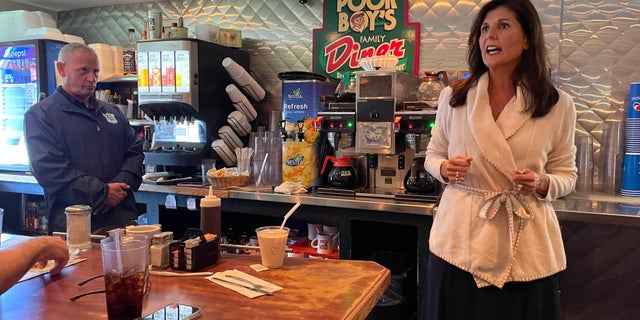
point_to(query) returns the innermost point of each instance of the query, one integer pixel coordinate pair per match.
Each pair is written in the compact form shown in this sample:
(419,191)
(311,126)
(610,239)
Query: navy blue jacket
(75,151)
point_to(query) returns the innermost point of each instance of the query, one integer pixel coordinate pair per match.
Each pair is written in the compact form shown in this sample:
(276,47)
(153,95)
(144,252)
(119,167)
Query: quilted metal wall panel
(592,51)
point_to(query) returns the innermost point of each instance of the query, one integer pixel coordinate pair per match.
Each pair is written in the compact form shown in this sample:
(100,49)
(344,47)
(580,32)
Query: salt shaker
(78,227)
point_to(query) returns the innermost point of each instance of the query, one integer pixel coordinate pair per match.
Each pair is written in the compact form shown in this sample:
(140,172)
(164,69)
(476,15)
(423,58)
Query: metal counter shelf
(584,207)
(347,202)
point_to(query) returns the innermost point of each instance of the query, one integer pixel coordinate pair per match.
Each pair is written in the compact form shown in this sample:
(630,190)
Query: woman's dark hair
(532,71)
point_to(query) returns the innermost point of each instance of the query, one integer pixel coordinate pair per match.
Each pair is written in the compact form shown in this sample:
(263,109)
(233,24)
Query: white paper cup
(241,103)
(239,122)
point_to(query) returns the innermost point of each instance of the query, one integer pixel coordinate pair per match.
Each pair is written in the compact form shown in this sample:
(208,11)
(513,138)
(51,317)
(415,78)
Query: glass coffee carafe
(419,181)
(430,87)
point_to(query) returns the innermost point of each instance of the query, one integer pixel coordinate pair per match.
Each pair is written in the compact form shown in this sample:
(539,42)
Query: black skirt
(452,294)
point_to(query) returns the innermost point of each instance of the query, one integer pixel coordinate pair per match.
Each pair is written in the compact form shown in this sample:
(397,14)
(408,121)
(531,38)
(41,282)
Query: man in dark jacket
(82,150)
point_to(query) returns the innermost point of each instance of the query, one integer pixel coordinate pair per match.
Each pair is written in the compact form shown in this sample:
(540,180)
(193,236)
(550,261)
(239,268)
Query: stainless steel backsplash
(593,54)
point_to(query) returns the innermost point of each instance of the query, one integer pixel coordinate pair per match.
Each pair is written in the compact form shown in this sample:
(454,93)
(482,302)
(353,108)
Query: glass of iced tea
(124,261)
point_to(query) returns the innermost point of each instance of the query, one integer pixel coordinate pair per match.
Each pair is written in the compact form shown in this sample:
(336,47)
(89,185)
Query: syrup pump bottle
(211,214)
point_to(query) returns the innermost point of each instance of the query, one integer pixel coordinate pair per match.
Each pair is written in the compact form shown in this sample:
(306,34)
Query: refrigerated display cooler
(27,74)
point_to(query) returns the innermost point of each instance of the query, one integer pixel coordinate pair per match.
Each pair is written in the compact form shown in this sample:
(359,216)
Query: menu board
(182,71)
(168,72)
(155,73)
(143,72)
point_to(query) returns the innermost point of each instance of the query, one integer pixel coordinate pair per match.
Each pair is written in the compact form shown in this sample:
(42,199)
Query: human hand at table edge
(53,248)
(33,252)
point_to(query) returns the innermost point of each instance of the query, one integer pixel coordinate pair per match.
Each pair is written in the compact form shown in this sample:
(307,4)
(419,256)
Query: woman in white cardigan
(504,144)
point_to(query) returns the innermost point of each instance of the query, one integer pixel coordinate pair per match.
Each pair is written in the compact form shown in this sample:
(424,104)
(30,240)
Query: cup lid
(78,208)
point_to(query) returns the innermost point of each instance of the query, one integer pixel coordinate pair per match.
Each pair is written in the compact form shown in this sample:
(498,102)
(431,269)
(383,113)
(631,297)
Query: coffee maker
(415,126)
(379,95)
(336,122)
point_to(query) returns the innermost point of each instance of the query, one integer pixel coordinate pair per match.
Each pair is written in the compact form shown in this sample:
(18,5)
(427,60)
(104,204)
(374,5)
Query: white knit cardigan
(481,225)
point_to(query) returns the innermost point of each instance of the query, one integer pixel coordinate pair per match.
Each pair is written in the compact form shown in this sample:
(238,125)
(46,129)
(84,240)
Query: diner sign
(356,29)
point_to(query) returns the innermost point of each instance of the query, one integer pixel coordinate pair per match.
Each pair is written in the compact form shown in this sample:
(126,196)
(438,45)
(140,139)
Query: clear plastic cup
(584,162)
(124,263)
(273,243)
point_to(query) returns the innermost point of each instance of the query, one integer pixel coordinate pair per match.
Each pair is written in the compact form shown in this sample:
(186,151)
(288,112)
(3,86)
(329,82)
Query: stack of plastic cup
(631,171)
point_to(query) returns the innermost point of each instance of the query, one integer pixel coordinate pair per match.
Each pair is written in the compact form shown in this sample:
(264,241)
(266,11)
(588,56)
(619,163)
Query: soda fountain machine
(181,87)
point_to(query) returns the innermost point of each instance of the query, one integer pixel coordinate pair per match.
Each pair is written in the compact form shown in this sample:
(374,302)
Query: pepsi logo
(636,106)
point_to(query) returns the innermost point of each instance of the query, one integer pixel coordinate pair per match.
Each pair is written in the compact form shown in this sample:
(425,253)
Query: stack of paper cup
(243,79)
(105,59)
(206,32)
(631,171)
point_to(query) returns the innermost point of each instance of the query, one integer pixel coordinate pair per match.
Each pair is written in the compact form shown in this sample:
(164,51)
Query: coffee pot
(418,180)
(431,85)
(342,175)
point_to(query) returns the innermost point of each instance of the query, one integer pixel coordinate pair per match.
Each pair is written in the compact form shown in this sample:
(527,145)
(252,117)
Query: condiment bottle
(210,214)
(78,227)
(159,259)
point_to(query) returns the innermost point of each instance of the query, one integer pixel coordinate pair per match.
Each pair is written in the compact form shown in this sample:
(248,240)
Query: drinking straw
(264,161)
(286,216)
(116,239)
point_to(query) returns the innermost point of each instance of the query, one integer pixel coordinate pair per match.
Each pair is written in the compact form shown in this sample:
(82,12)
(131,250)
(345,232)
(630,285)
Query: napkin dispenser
(194,251)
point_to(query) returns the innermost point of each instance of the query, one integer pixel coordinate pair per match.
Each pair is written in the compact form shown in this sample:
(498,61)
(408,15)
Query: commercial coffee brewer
(415,126)
(379,95)
(181,88)
(337,124)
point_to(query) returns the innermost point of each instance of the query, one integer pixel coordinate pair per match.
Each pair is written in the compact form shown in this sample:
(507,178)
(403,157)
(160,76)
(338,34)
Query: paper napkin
(264,285)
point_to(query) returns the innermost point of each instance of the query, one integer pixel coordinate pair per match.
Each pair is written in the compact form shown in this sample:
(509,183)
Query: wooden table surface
(313,289)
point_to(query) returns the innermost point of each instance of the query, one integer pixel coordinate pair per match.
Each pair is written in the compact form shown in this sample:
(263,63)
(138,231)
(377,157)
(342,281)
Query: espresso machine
(181,88)
(379,95)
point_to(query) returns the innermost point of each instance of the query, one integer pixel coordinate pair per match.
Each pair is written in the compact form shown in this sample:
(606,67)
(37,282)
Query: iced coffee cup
(273,242)
(124,265)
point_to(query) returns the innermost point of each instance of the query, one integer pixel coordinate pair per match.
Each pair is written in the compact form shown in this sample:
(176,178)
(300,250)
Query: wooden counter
(313,289)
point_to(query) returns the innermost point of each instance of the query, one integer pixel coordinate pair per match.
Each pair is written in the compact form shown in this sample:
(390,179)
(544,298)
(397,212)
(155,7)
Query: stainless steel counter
(360,203)
(583,207)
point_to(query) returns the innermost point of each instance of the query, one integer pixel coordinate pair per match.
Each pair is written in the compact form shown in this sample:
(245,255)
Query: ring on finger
(519,187)
(457,176)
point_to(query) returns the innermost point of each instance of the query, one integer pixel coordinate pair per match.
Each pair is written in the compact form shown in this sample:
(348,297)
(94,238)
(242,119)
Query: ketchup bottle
(210,214)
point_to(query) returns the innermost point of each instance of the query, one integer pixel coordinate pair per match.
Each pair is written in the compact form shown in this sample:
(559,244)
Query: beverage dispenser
(415,126)
(181,87)
(379,95)
(337,122)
